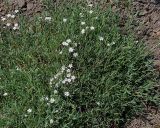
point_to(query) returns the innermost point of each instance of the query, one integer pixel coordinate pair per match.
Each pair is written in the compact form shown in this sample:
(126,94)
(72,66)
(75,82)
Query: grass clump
(73,68)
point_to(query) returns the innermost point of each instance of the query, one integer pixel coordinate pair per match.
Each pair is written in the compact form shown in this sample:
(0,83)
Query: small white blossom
(51,121)
(55,91)
(3,18)
(73,77)
(8,15)
(46,98)
(69,80)
(64,81)
(108,45)
(83,31)
(25,115)
(90,11)
(87,27)
(8,24)
(16,24)
(83,23)
(96,17)
(69,75)
(63,67)
(48,104)
(92,28)
(16,11)
(68,70)
(68,41)
(52,100)
(98,103)
(90,5)
(101,38)
(29,110)
(64,20)
(5,94)
(81,15)
(48,18)
(66,93)
(71,49)
(70,65)
(13,16)
(75,54)
(15,28)
(75,44)
(64,43)
(113,43)
(60,52)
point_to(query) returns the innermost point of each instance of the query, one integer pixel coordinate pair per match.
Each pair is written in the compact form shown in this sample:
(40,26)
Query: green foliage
(114,74)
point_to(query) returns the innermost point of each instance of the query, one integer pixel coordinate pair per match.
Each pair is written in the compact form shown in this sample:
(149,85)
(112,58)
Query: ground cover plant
(72,67)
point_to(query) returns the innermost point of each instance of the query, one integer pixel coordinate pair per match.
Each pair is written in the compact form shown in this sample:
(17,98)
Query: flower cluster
(9,21)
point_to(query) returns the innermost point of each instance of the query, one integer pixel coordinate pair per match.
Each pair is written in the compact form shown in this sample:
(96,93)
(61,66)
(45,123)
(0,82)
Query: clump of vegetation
(72,68)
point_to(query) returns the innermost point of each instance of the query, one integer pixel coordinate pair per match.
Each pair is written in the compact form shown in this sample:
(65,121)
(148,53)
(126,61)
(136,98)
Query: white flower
(75,54)
(71,49)
(96,17)
(69,80)
(18,69)
(113,43)
(90,5)
(92,28)
(87,27)
(68,70)
(75,44)
(3,18)
(15,28)
(46,98)
(51,121)
(16,11)
(68,41)
(16,24)
(29,110)
(52,100)
(101,38)
(69,75)
(25,115)
(63,67)
(73,77)
(5,94)
(66,93)
(81,15)
(83,23)
(98,103)
(108,44)
(8,15)
(64,20)
(48,18)
(55,91)
(70,65)
(64,81)
(90,11)
(8,24)
(65,43)
(13,16)
(83,31)
(51,79)
(60,52)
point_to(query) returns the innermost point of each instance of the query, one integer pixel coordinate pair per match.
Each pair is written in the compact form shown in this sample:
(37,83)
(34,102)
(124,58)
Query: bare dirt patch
(148,25)
(27,7)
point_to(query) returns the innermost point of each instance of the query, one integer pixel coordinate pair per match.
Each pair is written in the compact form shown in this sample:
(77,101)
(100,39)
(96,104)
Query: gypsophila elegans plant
(72,67)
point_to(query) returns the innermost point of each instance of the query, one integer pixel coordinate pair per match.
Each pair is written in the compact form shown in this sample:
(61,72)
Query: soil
(27,7)
(146,25)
